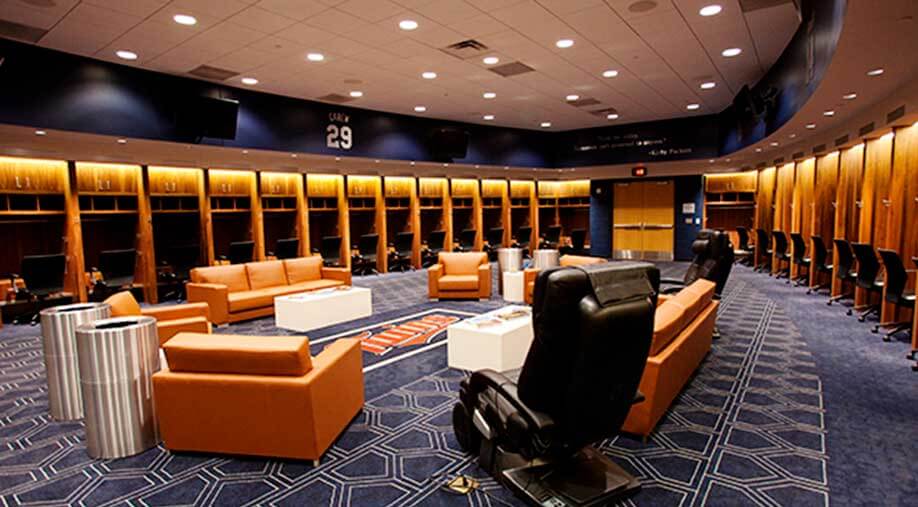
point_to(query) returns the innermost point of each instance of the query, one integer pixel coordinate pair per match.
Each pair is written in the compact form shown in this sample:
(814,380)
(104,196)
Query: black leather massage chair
(592,331)
(712,260)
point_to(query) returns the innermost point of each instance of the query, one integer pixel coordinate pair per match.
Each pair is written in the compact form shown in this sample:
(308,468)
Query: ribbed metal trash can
(545,258)
(118,358)
(58,338)
(509,260)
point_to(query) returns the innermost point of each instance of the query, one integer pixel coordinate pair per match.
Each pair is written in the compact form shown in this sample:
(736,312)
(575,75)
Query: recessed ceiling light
(545,124)
(711,161)
(40,133)
(249,81)
(412,162)
(773,143)
(408,24)
(126,55)
(811,126)
(828,113)
(572,97)
(445,164)
(122,141)
(293,155)
(420,109)
(564,43)
(429,75)
(849,96)
(245,152)
(731,52)
(692,107)
(488,117)
(185,19)
(377,161)
(875,72)
(707,85)
(612,116)
(356,94)
(710,10)
(315,57)
(490,60)
(791,136)
(609,73)
(489,95)
(758,150)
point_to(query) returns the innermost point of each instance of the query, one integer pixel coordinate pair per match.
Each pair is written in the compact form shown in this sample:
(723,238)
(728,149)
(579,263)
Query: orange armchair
(460,275)
(170,320)
(257,395)
(529,274)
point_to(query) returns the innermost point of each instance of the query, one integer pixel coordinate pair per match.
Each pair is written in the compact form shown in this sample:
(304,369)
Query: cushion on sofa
(303,269)
(461,263)
(458,282)
(265,274)
(315,285)
(233,276)
(668,322)
(250,299)
(579,260)
(238,354)
(695,297)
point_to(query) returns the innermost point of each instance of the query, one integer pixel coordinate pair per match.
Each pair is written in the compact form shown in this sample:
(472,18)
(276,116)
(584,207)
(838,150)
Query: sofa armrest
(173,312)
(484,281)
(433,277)
(340,274)
(215,295)
(529,275)
(336,389)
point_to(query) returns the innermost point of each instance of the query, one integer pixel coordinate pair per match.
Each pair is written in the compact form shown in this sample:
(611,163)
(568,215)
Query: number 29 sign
(338,134)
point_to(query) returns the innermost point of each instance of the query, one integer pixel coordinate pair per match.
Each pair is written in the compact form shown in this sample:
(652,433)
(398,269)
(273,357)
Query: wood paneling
(575,188)
(280,184)
(764,205)
(73,243)
(436,217)
(231,183)
(401,187)
(642,219)
(872,225)
(847,209)
(730,182)
(803,204)
(322,185)
(97,178)
(823,220)
(527,214)
(784,194)
(33,176)
(173,181)
(549,189)
(468,217)
(146,252)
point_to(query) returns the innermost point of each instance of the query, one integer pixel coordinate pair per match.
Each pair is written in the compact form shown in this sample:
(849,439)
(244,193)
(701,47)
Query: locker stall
(802,208)
(826,184)
(524,212)
(435,211)
(366,215)
(873,225)
(729,202)
(764,211)
(495,210)
(403,213)
(283,213)
(234,212)
(847,203)
(547,193)
(328,215)
(175,201)
(466,210)
(783,214)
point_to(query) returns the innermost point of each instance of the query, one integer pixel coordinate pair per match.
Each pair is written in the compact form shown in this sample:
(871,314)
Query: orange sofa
(682,331)
(246,291)
(256,395)
(460,275)
(170,319)
(530,274)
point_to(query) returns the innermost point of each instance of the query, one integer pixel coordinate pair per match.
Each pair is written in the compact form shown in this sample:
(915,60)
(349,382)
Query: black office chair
(522,238)
(287,248)
(868,277)
(494,240)
(844,270)
(181,259)
(400,259)
(436,242)
(765,251)
(552,237)
(712,260)
(241,252)
(364,263)
(896,291)
(330,250)
(467,240)
(578,243)
(114,273)
(800,259)
(821,262)
(781,255)
(44,277)
(592,331)
(743,252)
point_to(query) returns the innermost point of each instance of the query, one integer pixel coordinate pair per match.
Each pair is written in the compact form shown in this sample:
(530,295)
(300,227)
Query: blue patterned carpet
(757,425)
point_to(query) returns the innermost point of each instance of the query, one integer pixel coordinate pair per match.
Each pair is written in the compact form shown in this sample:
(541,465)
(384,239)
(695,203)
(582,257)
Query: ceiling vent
(215,73)
(335,98)
(18,31)
(511,69)
(584,102)
(465,49)
(754,5)
(604,112)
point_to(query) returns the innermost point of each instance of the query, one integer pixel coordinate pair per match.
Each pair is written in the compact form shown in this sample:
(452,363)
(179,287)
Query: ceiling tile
(294,9)
(262,20)
(370,10)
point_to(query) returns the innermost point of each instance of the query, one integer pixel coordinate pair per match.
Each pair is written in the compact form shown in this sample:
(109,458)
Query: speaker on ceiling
(448,143)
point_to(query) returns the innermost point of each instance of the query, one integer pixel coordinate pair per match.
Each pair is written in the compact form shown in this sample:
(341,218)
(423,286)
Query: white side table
(514,286)
(326,307)
(500,346)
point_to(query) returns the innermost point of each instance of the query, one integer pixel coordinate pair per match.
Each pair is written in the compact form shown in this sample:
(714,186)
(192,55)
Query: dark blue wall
(601,218)
(688,189)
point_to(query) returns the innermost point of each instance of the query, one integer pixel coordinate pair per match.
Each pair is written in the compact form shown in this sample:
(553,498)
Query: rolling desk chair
(800,259)
(364,263)
(181,259)
(896,291)
(743,252)
(288,248)
(436,241)
(820,263)
(780,252)
(552,237)
(44,277)
(400,259)
(522,238)
(712,260)
(844,271)
(868,277)
(116,268)
(330,250)
(578,243)
(467,240)
(241,252)
(764,244)
(495,240)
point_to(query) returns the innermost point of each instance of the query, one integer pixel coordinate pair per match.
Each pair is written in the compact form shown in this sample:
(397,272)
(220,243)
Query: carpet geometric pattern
(749,429)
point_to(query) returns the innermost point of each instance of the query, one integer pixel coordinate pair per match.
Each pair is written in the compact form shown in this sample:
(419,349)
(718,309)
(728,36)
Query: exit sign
(639,171)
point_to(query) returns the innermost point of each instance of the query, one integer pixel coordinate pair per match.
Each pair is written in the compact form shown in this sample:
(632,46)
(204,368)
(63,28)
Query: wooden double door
(642,220)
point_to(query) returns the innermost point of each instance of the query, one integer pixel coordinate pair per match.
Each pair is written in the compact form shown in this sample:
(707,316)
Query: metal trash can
(118,358)
(545,258)
(58,338)
(509,260)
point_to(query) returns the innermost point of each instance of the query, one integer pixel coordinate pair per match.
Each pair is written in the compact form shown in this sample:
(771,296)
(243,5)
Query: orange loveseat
(460,275)
(256,395)
(530,274)
(682,331)
(170,319)
(246,291)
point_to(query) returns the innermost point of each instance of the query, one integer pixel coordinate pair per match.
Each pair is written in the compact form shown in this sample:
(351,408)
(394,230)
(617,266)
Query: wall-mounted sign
(688,208)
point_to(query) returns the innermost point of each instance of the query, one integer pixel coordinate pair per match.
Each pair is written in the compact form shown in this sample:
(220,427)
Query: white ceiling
(662,55)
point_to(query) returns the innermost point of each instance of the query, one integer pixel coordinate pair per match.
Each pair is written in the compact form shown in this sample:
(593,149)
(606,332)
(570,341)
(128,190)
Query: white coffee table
(313,310)
(501,346)
(514,286)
